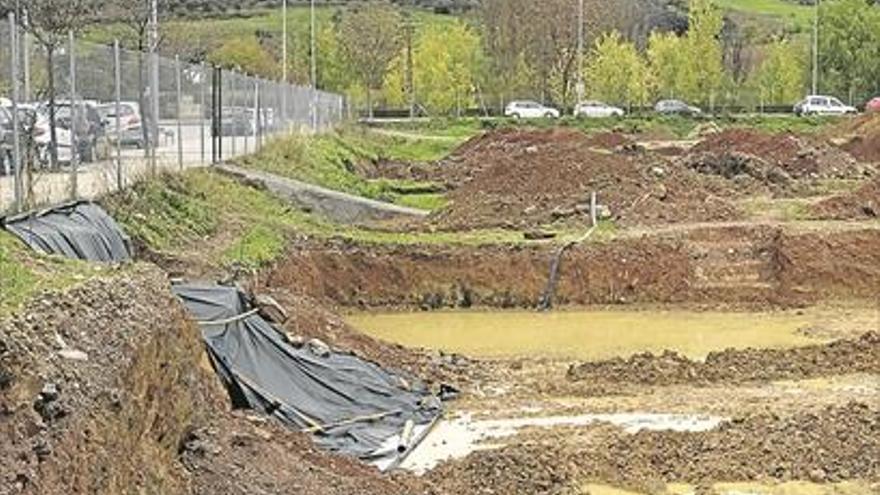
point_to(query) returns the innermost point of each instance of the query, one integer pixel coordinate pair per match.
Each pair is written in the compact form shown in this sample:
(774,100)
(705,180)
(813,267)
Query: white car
(530,110)
(823,105)
(597,110)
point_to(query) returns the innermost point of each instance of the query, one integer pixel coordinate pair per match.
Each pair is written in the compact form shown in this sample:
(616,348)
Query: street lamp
(815,86)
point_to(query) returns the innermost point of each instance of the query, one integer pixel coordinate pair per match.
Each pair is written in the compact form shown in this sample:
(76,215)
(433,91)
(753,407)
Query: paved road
(96,179)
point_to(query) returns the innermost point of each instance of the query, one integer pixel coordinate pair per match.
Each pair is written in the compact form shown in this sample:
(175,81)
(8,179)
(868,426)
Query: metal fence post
(154,107)
(258,110)
(203,75)
(74,142)
(244,106)
(117,73)
(179,109)
(233,89)
(16,128)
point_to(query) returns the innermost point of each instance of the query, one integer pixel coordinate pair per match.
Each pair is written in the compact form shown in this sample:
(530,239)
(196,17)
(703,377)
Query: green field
(790,12)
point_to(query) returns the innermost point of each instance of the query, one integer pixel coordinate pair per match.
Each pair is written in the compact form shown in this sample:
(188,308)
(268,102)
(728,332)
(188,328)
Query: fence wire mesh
(111,128)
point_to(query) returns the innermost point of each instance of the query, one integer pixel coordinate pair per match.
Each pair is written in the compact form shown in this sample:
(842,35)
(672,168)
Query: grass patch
(25,273)
(332,160)
(259,246)
(790,12)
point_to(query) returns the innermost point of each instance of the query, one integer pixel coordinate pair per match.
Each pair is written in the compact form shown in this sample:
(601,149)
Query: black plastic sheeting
(302,387)
(80,230)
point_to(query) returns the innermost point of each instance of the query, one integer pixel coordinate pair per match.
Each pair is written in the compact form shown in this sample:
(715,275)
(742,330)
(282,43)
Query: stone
(73,355)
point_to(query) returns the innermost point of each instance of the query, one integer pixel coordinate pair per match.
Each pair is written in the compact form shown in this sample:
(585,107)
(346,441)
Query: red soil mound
(795,156)
(525,178)
(861,203)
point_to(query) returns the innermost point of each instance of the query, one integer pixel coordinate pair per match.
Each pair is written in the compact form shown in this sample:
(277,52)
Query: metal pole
(117,73)
(74,145)
(314,64)
(16,128)
(246,107)
(154,81)
(258,112)
(233,88)
(284,66)
(202,110)
(179,109)
(815,87)
(26,56)
(580,53)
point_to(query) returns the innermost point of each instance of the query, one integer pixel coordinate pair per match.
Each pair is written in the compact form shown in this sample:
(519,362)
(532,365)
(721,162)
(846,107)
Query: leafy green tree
(245,54)
(668,64)
(706,67)
(779,79)
(617,73)
(849,46)
(369,40)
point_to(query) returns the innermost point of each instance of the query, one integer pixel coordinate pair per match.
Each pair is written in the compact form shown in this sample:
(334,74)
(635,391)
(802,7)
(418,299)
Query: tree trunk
(53,134)
(142,100)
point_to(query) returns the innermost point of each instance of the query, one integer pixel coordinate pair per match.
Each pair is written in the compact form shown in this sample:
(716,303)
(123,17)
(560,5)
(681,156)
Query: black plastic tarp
(303,387)
(80,230)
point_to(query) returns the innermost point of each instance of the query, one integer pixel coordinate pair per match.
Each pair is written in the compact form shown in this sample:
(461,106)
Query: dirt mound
(862,136)
(105,388)
(771,159)
(860,355)
(864,202)
(527,178)
(834,444)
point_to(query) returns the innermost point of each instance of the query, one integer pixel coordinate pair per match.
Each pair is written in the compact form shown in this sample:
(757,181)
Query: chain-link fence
(111,128)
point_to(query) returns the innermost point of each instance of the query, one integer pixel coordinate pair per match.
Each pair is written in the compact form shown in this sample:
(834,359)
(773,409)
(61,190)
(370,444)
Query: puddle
(457,437)
(788,488)
(586,334)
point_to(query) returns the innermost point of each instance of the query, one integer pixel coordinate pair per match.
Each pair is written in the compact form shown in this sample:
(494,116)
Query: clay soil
(863,203)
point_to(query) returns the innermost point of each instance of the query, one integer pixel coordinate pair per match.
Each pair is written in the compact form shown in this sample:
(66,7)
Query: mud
(832,444)
(862,137)
(734,366)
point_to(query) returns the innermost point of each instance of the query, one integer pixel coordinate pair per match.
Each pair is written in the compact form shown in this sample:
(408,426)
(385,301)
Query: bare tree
(50,22)
(369,37)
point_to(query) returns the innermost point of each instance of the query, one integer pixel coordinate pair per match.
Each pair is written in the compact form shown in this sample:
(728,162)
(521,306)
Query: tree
(245,54)
(849,44)
(369,40)
(704,50)
(779,79)
(617,73)
(668,64)
(50,22)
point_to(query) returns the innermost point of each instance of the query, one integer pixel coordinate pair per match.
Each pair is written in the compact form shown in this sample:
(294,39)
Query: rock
(658,171)
(537,234)
(318,348)
(49,392)
(270,310)
(73,355)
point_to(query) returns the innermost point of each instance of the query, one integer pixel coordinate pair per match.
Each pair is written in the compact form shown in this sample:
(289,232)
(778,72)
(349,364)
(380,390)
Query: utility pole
(580,52)
(284,62)
(410,80)
(815,87)
(154,81)
(314,68)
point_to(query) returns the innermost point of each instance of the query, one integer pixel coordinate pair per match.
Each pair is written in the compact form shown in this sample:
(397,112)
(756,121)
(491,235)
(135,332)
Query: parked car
(530,110)
(873,105)
(131,127)
(5,141)
(36,129)
(822,105)
(88,128)
(676,107)
(597,109)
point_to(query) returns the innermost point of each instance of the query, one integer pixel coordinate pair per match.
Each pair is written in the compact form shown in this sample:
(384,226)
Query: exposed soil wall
(105,389)
(109,417)
(506,277)
(737,265)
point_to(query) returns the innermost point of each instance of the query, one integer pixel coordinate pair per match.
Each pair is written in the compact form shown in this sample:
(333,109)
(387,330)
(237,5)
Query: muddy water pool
(589,334)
